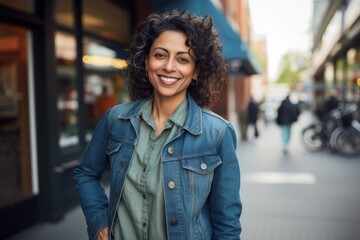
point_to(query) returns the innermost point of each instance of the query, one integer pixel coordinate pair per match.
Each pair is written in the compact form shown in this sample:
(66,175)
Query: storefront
(336,52)
(60,66)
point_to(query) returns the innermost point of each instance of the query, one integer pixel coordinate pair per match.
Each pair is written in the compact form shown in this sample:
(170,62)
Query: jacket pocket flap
(201,165)
(112,147)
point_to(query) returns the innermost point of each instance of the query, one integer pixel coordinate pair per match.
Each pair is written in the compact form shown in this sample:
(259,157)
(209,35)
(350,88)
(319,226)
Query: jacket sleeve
(225,204)
(87,177)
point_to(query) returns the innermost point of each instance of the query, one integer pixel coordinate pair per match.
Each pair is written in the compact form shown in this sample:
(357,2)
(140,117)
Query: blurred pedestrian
(253,112)
(174,168)
(243,121)
(287,114)
(103,103)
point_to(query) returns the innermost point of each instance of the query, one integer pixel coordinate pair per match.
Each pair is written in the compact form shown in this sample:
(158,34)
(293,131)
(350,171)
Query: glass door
(15,154)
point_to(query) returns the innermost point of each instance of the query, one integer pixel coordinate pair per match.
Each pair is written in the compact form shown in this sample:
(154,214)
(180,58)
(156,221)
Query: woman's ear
(195,75)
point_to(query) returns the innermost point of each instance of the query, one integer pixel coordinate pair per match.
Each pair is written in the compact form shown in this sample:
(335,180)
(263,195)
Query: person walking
(287,114)
(174,168)
(253,112)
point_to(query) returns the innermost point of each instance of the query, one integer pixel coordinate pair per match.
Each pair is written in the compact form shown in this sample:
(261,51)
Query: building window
(64,13)
(329,76)
(105,19)
(104,84)
(67,102)
(25,6)
(353,58)
(15,154)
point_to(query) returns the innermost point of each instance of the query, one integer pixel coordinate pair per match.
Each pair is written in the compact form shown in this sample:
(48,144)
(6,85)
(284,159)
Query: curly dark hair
(201,38)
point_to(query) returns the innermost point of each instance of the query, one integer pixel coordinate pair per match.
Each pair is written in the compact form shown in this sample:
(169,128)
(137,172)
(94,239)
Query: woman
(174,169)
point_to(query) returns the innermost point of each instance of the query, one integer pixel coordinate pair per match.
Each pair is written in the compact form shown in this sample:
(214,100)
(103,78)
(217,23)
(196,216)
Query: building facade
(56,57)
(336,49)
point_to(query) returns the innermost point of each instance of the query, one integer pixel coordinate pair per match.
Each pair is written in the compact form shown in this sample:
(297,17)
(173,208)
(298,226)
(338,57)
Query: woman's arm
(87,176)
(225,204)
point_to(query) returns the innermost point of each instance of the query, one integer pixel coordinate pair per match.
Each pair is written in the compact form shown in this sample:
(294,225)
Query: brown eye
(183,60)
(160,55)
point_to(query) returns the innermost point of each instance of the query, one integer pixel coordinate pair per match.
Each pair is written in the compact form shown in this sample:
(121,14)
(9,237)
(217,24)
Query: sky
(286,26)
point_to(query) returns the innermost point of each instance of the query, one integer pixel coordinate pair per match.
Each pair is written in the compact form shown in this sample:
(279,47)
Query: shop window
(340,76)
(351,72)
(15,154)
(104,84)
(356,79)
(107,20)
(329,76)
(26,6)
(64,13)
(68,104)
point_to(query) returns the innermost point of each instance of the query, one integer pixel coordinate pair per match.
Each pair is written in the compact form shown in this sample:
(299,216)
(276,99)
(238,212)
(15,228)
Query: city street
(299,196)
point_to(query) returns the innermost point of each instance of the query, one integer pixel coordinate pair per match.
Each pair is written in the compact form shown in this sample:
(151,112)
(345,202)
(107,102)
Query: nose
(169,65)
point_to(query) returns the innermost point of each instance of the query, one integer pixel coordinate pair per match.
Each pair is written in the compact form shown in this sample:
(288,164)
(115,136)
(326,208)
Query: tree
(292,67)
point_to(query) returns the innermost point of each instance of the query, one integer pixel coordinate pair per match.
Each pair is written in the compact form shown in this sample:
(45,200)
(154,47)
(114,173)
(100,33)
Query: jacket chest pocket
(118,154)
(199,173)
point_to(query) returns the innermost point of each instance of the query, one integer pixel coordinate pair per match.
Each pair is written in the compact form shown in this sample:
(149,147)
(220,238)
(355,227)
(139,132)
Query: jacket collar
(193,122)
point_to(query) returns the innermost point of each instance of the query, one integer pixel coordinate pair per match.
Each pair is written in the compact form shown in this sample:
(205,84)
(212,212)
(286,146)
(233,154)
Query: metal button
(203,166)
(174,222)
(171,185)
(171,150)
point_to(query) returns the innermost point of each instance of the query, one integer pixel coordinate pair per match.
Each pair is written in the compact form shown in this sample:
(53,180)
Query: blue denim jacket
(201,174)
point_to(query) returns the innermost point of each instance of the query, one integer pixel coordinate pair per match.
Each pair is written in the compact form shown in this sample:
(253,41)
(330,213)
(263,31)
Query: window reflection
(104,84)
(26,6)
(104,19)
(15,160)
(64,12)
(68,96)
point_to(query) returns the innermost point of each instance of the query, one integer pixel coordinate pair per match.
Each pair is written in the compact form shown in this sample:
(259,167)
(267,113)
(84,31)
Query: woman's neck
(162,109)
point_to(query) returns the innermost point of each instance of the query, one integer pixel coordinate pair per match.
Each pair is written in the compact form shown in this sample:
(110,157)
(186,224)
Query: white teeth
(168,80)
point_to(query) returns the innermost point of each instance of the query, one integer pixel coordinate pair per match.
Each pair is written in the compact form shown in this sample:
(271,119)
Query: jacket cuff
(96,224)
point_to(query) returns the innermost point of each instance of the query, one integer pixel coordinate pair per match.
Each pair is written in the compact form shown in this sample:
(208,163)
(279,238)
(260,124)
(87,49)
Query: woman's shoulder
(127,109)
(213,120)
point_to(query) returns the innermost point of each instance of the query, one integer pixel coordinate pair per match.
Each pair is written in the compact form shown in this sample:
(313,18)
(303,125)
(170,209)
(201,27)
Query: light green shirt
(141,211)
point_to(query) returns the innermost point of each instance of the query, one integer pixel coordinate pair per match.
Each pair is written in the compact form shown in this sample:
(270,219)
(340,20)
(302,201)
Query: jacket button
(171,185)
(174,222)
(171,150)
(203,166)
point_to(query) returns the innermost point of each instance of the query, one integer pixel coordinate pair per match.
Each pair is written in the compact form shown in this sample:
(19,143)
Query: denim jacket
(201,175)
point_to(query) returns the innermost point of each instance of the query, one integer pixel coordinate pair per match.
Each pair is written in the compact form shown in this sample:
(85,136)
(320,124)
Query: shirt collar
(178,117)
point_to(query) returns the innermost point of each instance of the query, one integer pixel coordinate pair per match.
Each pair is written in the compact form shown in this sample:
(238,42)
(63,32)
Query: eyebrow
(184,52)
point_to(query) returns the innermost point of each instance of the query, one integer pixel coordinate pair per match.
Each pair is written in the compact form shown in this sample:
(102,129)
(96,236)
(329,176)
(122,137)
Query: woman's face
(170,65)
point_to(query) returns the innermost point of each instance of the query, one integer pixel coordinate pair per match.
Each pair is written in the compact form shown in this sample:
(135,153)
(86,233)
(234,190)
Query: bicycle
(339,131)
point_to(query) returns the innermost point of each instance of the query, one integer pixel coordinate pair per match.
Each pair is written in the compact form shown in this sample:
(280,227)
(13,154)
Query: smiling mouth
(168,80)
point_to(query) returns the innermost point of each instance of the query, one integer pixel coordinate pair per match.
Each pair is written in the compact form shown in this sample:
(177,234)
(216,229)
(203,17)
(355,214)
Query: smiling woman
(173,164)
(170,66)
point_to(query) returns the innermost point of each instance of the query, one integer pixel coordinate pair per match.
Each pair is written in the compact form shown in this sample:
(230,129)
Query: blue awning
(235,49)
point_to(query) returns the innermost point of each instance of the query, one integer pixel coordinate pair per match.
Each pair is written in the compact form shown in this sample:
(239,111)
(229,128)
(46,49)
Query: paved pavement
(299,196)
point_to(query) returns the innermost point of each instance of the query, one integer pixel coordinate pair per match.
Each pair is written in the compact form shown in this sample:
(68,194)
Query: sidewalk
(298,196)
(72,227)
